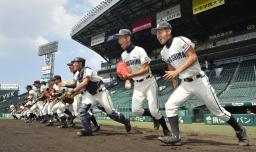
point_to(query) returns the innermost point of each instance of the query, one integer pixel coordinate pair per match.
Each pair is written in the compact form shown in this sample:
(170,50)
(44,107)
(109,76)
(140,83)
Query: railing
(93,14)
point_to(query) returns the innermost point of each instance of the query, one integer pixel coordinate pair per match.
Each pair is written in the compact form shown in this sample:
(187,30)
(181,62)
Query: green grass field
(192,129)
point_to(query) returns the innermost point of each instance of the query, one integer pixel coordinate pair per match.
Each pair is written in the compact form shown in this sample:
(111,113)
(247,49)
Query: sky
(26,24)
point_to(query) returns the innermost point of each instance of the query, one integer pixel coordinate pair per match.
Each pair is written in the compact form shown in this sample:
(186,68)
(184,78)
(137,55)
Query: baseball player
(32,103)
(74,107)
(40,100)
(182,61)
(47,104)
(61,108)
(145,85)
(13,111)
(95,93)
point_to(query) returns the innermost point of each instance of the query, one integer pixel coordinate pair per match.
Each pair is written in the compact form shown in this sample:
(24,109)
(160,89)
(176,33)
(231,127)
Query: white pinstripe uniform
(147,88)
(200,87)
(103,98)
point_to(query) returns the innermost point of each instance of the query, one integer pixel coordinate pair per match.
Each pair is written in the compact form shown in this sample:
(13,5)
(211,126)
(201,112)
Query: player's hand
(61,84)
(170,75)
(128,84)
(128,76)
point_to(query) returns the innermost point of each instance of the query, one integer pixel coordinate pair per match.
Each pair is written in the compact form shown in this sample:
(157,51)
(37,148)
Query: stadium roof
(97,28)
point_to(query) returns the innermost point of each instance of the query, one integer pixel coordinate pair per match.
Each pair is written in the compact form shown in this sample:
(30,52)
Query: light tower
(48,51)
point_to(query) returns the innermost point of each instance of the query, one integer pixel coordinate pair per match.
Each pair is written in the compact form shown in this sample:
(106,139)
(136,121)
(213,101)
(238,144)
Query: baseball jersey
(135,59)
(175,56)
(88,72)
(94,83)
(32,95)
(43,88)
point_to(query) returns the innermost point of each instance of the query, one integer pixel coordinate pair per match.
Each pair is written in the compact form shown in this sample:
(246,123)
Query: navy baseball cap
(70,63)
(123,32)
(161,25)
(79,59)
(37,82)
(56,77)
(29,87)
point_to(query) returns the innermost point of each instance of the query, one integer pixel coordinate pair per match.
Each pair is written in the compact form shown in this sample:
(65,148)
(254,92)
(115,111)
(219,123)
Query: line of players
(178,53)
(44,104)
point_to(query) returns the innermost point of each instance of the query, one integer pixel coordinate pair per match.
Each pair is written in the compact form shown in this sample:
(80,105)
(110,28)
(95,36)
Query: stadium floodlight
(48,48)
(48,51)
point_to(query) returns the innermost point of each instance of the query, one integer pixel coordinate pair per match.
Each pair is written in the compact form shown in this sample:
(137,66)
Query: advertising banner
(142,24)
(199,6)
(168,14)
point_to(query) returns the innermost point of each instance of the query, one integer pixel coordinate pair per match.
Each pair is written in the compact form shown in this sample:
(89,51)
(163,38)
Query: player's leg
(87,102)
(30,114)
(152,97)
(74,109)
(96,126)
(62,116)
(45,113)
(40,105)
(105,101)
(54,110)
(76,104)
(207,94)
(178,97)
(69,112)
(137,103)
(50,113)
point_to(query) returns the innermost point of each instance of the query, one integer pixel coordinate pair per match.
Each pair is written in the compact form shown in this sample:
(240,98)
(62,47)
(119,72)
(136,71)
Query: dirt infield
(16,136)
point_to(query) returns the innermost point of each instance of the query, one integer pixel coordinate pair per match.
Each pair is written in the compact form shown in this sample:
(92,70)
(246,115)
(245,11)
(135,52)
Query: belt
(141,80)
(101,89)
(190,79)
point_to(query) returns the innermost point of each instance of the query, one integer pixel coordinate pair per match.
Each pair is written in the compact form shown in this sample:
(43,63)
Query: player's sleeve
(144,56)
(70,84)
(122,56)
(162,57)
(31,94)
(183,43)
(87,73)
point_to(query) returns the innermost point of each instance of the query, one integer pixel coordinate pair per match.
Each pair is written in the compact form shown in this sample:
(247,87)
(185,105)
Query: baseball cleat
(49,124)
(128,126)
(70,125)
(166,132)
(43,121)
(63,126)
(28,121)
(243,138)
(170,140)
(84,133)
(96,129)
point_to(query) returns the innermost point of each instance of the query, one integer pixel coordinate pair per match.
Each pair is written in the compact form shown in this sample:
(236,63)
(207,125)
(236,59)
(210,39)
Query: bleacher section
(229,85)
(244,87)
(4,105)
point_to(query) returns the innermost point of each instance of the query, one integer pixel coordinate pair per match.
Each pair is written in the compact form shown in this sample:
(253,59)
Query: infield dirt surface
(17,136)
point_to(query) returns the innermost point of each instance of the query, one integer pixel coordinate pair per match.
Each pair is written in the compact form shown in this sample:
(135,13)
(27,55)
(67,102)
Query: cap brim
(117,35)
(154,30)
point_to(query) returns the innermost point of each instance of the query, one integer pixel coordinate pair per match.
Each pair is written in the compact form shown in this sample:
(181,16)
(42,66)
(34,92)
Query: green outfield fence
(244,119)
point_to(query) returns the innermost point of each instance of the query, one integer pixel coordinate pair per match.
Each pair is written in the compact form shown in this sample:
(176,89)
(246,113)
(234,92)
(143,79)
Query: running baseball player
(40,101)
(74,107)
(145,85)
(32,103)
(96,93)
(61,108)
(47,102)
(182,61)
(13,111)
